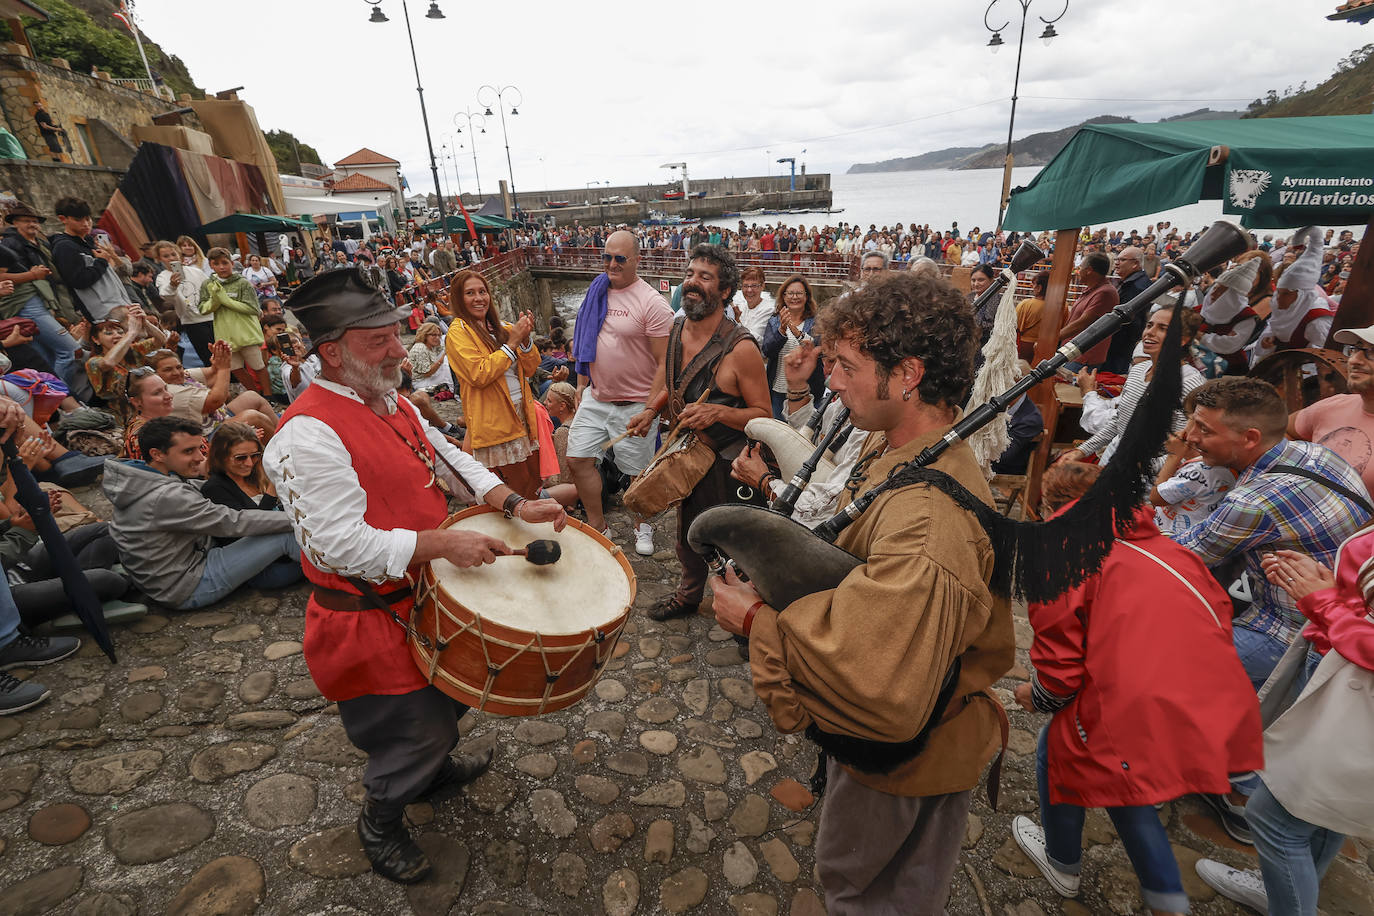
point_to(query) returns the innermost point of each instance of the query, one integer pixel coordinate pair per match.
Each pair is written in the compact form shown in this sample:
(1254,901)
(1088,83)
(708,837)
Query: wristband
(763,482)
(798,392)
(749,616)
(511,503)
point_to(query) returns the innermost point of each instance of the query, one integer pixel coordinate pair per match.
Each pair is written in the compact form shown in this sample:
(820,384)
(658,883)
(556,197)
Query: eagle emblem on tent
(1246,187)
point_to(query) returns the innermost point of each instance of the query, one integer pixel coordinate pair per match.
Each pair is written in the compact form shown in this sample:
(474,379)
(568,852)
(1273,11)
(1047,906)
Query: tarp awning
(1270,172)
(481,221)
(255,222)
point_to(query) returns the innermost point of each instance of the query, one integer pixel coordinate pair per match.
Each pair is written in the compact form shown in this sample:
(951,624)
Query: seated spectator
(150,399)
(88,264)
(1097,299)
(1030,313)
(18,649)
(179,286)
(271,308)
(237,479)
(1344,423)
(1239,423)
(1149,702)
(259,276)
(1187,489)
(163,525)
(299,368)
(116,348)
(231,300)
(428,363)
(560,400)
(1316,787)
(425,405)
(279,341)
(1105,440)
(200,394)
(1026,425)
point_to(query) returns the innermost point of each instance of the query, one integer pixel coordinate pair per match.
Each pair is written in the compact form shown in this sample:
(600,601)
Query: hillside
(1350,90)
(1034,149)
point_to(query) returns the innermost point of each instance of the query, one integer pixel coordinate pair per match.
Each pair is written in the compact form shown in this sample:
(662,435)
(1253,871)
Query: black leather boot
(455,773)
(388,845)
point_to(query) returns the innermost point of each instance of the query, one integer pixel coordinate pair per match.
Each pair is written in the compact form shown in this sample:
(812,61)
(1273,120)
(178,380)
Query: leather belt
(623,403)
(332,599)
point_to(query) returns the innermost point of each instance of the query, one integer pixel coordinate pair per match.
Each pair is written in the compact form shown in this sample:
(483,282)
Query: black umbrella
(79,591)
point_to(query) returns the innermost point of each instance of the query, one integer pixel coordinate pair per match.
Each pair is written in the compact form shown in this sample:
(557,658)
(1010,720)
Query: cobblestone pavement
(205,774)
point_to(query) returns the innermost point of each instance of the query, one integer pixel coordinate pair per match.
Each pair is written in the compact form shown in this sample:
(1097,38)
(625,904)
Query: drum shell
(523,657)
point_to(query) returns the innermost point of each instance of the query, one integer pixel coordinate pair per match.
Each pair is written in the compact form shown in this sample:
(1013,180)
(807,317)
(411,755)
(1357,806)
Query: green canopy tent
(1269,172)
(256,222)
(456,224)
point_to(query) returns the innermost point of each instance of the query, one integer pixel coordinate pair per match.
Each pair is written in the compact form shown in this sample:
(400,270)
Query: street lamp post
(995,43)
(433,13)
(601,207)
(500,93)
(481,125)
(444,152)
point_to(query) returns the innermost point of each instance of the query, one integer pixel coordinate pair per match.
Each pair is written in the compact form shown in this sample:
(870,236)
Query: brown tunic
(866,659)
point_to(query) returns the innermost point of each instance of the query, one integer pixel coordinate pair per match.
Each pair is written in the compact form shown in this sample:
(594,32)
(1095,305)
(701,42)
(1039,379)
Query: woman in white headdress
(1301,316)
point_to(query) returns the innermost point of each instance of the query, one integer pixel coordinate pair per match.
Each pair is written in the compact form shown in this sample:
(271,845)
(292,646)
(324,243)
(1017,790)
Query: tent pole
(1357,303)
(1061,274)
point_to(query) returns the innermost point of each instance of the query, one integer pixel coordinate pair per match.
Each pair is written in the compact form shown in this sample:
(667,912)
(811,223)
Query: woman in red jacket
(1150,701)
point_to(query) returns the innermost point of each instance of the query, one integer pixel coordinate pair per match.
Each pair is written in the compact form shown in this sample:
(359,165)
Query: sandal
(672,606)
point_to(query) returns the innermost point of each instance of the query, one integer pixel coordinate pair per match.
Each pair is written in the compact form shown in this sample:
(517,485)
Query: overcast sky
(612,90)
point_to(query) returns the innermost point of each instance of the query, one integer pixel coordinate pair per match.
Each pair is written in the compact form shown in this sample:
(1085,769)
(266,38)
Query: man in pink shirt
(630,347)
(1344,423)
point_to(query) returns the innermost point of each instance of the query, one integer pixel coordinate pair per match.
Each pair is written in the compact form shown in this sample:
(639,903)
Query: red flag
(122,14)
(472,230)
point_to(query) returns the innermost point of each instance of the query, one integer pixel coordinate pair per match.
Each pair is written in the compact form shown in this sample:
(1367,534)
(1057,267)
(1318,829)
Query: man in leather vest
(708,355)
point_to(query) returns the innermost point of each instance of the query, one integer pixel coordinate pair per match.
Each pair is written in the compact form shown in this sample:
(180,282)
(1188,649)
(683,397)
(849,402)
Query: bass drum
(518,639)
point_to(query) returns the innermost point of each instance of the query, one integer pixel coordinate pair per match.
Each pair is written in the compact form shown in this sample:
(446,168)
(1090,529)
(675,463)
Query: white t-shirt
(1192,493)
(755,320)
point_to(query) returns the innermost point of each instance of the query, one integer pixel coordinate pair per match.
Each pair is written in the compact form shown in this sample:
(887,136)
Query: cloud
(612,91)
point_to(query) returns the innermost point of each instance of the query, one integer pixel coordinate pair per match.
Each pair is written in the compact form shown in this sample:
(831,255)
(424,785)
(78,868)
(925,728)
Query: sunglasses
(140,371)
(618,258)
(241,459)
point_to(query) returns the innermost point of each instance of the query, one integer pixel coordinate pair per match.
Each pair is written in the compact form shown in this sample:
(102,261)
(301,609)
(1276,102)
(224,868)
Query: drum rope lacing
(425,590)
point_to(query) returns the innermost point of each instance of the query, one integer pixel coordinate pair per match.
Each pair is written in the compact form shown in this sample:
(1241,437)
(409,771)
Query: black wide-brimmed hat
(333,302)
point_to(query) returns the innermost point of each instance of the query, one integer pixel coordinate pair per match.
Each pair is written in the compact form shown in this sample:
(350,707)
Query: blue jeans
(1293,854)
(1259,652)
(779,405)
(57,346)
(249,560)
(9,614)
(1145,839)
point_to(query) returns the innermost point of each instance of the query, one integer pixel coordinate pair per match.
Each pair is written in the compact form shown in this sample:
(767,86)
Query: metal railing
(146,85)
(580,261)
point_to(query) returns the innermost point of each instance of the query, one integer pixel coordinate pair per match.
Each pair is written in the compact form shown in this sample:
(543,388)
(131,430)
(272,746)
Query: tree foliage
(1345,92)
(285,148)
(70,33)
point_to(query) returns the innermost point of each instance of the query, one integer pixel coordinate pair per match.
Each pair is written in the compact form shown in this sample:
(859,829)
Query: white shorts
(597,423)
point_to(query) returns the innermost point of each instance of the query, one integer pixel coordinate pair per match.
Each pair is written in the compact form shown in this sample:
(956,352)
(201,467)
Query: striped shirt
(1131,393)
(1278,511)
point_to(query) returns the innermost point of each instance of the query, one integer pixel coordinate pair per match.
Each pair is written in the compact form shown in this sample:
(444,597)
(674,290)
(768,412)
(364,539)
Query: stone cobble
(204,773)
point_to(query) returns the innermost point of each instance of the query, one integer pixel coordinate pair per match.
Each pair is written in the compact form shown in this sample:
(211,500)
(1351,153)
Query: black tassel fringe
(1040,561)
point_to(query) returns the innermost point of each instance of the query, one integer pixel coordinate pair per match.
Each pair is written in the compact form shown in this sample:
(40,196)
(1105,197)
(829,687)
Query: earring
(906,395)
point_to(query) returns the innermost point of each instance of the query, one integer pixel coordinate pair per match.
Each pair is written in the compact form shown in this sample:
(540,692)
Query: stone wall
(39,184)
(748,187)
(71,96)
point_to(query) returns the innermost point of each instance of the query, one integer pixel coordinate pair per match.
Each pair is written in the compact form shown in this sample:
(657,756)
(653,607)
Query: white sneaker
(1245,887)
(1031,839)
(644,539)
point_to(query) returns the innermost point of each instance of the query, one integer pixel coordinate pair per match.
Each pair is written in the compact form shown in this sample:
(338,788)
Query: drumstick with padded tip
(541,552)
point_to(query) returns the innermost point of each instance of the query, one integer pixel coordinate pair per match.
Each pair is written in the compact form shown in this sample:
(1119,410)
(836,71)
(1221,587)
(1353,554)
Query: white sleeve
(320,492)
(475,476)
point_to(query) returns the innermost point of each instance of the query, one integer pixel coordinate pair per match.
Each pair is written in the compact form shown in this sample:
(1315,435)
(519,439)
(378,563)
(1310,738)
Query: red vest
(352,653)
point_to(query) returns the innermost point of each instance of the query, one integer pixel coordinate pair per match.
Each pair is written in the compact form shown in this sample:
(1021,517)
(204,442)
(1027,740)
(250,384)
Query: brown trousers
(887,855)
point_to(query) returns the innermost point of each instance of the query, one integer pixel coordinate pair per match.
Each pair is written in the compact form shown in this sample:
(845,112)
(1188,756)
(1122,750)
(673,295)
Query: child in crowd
(1187,489)
(234,303)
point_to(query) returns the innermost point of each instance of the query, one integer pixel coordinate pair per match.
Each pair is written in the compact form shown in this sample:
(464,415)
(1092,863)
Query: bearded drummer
(860,666)
(364,479)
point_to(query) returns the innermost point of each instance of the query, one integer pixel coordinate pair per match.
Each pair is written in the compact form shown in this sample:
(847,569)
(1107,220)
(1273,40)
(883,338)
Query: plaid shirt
(1268,512)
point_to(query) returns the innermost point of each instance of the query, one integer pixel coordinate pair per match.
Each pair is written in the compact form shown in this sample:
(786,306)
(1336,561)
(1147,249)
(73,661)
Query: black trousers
(715,489)
(201,335)
(407,737)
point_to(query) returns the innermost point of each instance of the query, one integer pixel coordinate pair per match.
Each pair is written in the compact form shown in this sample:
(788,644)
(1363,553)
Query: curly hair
(727,271)
(906,314)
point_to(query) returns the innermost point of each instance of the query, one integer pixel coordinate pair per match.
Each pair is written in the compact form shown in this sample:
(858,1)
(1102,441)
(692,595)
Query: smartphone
(101,237)
(284,343)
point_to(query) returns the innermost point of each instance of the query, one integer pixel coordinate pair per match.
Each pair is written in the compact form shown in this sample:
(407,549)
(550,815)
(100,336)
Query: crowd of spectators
(166,373)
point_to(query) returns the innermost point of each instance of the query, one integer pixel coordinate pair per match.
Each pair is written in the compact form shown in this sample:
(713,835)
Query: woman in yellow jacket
(493,363)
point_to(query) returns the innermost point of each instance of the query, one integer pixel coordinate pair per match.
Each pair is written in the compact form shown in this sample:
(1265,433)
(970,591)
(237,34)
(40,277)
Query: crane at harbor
(792,180)
(686,191)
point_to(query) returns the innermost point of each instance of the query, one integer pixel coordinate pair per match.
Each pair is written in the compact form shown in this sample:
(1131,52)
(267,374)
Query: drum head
(586,588)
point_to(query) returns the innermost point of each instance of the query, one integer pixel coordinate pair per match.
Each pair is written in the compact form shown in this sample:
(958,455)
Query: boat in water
(557,204)
(659,218)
